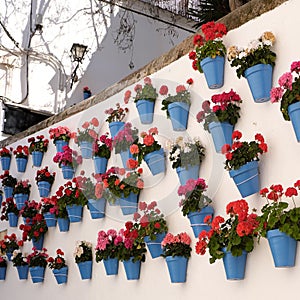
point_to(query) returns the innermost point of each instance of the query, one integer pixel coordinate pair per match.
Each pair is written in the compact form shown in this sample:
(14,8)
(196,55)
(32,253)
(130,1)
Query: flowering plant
(3,262)
(22,187)
(194,199)
(241,153)
(125,138)
(226,109)
(86,185)
(8,180)
(5,152)
(149,144)
(21,152)
(83,251)
(49,205)
(177,245)
(117,181)
(71,194)
(108,244)
(276,215)
(87,90)
(131,245)
(57,262)
(18,259)
(88,134)
(10,243)
(146,92)
(61,206)
(102,146)
(151,222)
(258,52)
(45,175)
(185,152)
(38,258)
(60,133)
(288,90)
(117,114)
(182,95)
(35,230)
(68,157)
(209,46)
(30,209)
(236,234)
(38,144)
(8,206)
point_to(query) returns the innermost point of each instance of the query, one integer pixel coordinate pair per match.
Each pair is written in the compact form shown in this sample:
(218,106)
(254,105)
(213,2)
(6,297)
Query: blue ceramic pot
(132,269)
(156,161)
(154,247)
(85,269)
(37,274)
(37,157)
(179,114)
(177,267)
(21,164)
(86,149)
(100,164)
(234,265)
(184,174)
(75,213)
(213,69)
(97,208)
(44,188)
(61,275)
(145,109)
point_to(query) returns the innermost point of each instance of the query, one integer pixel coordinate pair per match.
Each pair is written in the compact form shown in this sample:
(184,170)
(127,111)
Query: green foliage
(148,92)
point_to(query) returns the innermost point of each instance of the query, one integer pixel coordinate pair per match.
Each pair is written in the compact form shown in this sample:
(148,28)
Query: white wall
(279,165)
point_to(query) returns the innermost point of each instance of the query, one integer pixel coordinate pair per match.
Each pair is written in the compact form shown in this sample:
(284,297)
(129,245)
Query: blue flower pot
(156,161)
(5,163)
(2,273)
(23,272)
(179,114)
(63,224)
(8,191)
(129,205)
(13,219)
(192,172)
(97,208)
(21,164)
(75,213)
(154,247)
(111,266)
(100,164)
(294,114)
(234,265)
(44,188)
(145,109)
(37,274)
(68,172)
(125,155)
(259,79)
(283,248)
(213,69)
(197,219)
(38,243)
(61,275)
(246,178)
(37,157)
(9,255)
(221,133)
(1,199)
(50,219)
(132,269)
(177,267)
(20,200)
(86,149)
(85,269)
(59,144)
(115,127)
(86,95)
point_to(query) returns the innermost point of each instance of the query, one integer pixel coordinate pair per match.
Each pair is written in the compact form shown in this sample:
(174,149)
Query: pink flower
(147,80)
(286,80)
(295,66)
(163,90)
(180,88)
(276,94)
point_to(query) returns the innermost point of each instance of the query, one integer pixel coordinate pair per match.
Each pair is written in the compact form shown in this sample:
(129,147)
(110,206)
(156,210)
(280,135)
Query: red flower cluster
(45,175)
(36,228)
(58,262)
(21,151)
(10,243)
(4,152)
(38,144)
(68,157)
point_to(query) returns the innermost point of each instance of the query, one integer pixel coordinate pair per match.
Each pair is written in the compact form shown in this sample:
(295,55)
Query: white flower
(186,149)
(16,252)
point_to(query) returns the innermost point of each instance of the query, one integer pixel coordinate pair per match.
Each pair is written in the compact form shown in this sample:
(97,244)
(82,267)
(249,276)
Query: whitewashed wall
(279,165)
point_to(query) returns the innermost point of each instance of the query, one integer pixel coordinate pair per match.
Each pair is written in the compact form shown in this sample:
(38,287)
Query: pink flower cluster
(285,82)
(191,185)
(125,134)
(108,238)
(180,238)
(56,133)
(67,157)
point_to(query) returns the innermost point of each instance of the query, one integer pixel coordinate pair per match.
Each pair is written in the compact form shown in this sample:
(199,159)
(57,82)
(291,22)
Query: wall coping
(233,20)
